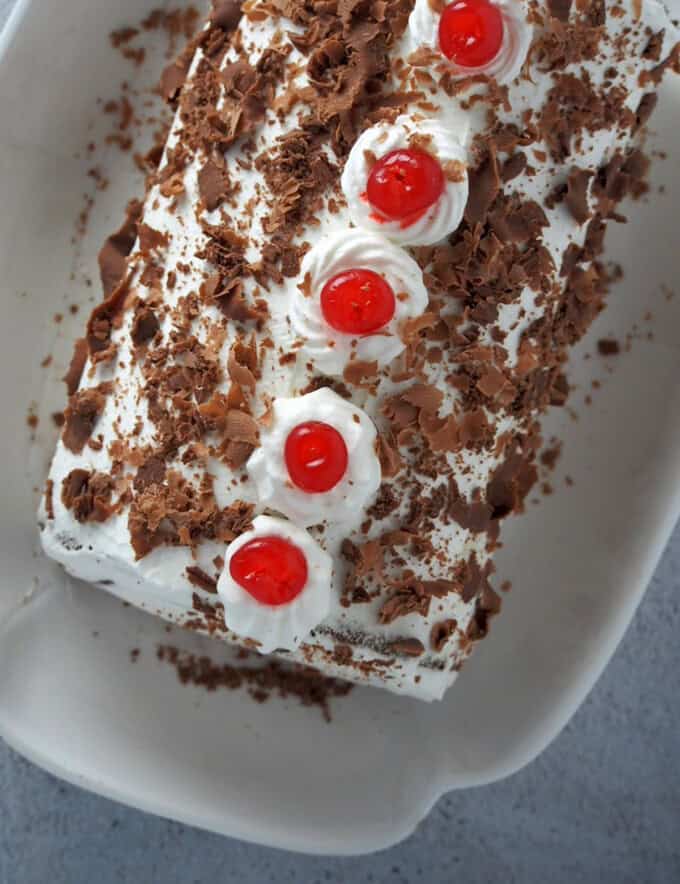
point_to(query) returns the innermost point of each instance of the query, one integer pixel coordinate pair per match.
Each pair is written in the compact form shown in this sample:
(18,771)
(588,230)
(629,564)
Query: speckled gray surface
(602,804)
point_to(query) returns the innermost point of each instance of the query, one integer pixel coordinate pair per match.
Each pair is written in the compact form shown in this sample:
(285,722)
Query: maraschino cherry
(316,457)
(403,184)
(271,569)
(471,32)
(357,302)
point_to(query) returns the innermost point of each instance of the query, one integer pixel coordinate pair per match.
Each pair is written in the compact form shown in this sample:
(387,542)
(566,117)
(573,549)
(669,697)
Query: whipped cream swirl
(445,141)
(345,250)
(345,502)
(281,626)
(423,30)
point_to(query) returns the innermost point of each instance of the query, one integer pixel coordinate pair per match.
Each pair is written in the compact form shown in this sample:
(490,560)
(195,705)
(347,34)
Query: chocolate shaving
(172,79)
(388,455)
(242,364)
(360,372)
(213,184)
(406,647)
(76,366)
(144,327)
(151,472)
(151,239)
(197,577)
(576,198)
(88,495)
(408,599)
(441,632)
(82,414)
(485,183)
(645,109)
(226,14)
(178,514)
(49,501)
(100,324)
(560,9)
(608,347)
(116,248)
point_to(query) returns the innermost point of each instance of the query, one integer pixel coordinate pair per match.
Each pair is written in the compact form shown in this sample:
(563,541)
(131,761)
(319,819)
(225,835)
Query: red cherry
(471,32)
(403,184)
(357,302)
(316,457)
(271,569)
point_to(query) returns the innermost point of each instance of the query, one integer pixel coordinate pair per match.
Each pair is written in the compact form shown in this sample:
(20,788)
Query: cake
(313,389)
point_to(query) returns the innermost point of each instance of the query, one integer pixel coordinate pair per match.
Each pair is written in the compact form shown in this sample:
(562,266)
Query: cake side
(170,440)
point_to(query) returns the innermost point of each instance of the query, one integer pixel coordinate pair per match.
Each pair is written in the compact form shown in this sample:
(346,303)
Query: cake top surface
(360,264)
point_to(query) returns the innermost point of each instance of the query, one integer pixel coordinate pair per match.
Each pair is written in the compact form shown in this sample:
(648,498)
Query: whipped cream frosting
(350,250)
(282,626)
(423,31)
(345,502)
(447,136)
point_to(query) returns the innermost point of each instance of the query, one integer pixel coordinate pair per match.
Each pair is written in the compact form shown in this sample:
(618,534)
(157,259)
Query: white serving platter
(71,699)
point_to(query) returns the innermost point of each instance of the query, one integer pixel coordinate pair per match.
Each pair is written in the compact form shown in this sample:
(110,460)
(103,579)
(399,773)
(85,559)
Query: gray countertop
(601,804)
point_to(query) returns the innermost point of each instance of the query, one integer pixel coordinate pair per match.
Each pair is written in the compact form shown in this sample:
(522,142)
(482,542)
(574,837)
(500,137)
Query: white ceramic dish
(276,773)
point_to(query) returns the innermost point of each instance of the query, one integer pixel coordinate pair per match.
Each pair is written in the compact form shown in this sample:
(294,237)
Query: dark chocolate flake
(576,197)
(198,577)
(82,414)
(88,495)
(114,252)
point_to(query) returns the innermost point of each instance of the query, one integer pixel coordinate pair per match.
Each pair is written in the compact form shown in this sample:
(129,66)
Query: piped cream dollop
(445,140)
(332,350)
(423,31)
(344,503)
(281,626)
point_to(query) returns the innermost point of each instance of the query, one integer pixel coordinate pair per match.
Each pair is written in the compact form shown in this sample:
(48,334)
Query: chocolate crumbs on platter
(261,680)
(608,347)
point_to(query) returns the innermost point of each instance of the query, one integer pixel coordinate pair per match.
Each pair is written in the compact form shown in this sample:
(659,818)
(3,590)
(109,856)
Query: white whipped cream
(355,249)
(447,144)
(280,626)
(345,502)
(423,30)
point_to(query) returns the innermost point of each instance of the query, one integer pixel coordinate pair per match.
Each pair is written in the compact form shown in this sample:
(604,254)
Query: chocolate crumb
(76,366)
(82,414)
(198,577)
(114,252)
(441,632)
(261,680)
(608,347)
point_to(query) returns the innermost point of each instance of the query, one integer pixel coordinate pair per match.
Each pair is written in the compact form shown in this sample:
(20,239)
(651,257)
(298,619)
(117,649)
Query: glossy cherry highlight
(316,457)
(403,184)
(271,569)
(471,32)
(357,302)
